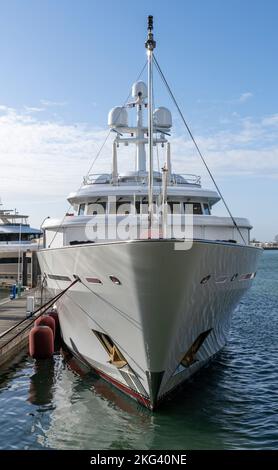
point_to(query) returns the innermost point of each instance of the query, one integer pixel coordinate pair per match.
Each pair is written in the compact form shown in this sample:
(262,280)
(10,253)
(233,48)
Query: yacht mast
(150,45)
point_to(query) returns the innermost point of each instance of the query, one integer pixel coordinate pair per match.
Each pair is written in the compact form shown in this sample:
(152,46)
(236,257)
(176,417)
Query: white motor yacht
(17,243)
(159,274)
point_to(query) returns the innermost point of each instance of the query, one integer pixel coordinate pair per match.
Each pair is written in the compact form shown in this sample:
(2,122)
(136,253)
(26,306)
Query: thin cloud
(50,103)
(242,99)
(270,121)
(5,109)
(33,109)
(47,159)
(245,97)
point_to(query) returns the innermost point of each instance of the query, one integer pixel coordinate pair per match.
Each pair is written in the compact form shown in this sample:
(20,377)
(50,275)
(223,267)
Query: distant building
(265,245)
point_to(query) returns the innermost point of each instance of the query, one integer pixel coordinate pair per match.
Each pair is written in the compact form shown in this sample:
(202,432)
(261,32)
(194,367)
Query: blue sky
(65,63)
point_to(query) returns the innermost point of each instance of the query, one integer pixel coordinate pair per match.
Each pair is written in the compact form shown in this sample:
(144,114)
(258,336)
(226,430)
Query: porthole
(205,279)
(57,277)
(221,279)
(115,280)
(245,277)
(93,280)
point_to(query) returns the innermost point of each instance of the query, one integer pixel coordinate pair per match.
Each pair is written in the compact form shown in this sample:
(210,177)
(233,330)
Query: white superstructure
(17,242)
(159,274)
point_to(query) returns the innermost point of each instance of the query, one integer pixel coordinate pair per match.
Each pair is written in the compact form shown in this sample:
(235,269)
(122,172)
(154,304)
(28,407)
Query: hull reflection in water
(85,411)
(100,387)
(42,382)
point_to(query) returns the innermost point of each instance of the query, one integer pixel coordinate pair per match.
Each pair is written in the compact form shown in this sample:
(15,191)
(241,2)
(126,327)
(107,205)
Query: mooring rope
(32,320)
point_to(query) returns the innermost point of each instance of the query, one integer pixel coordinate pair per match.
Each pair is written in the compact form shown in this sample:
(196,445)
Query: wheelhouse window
(120,207)
(206,209)
(123,207)
(15,237)
(174,207)
(137,207)
(142,206)
(96,208)
(81,210)
(192,208)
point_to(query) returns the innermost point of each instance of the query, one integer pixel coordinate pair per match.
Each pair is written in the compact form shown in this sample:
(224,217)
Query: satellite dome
(118,117)
(139,88)
(162,118)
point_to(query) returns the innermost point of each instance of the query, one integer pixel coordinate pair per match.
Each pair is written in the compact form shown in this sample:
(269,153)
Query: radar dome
(139,88)
(118,117)
(162,118)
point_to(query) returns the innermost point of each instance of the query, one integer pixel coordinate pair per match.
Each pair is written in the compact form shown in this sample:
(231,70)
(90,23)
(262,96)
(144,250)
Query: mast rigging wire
(196,146)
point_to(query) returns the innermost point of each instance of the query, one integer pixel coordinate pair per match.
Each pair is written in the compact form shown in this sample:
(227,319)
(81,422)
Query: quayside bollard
(30,306)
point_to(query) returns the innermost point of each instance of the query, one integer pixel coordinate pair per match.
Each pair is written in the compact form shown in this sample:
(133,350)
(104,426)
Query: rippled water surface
(231,404)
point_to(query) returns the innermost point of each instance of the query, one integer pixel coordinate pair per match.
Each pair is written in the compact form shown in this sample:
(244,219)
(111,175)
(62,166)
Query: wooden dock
(14,323)
(13,339)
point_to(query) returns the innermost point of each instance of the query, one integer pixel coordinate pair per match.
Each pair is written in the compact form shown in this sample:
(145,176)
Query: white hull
(158,311)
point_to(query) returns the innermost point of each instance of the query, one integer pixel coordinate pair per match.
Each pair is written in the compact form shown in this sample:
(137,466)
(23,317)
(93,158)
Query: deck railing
(176,179)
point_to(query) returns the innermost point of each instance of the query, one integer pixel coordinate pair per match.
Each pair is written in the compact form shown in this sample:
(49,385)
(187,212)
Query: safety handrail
(176,179)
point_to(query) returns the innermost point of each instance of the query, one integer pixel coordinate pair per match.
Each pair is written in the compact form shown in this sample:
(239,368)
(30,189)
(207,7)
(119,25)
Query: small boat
(159,275)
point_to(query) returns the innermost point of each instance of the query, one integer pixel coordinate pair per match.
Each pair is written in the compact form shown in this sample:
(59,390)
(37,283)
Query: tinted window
(193,207)
(206,209)
(123,208)
(81,210)
(96,208)
(174,207)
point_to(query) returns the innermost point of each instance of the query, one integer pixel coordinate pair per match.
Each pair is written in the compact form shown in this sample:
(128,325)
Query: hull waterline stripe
(145,401)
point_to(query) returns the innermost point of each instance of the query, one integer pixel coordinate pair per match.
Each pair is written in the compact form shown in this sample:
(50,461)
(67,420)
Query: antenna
(150,46)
